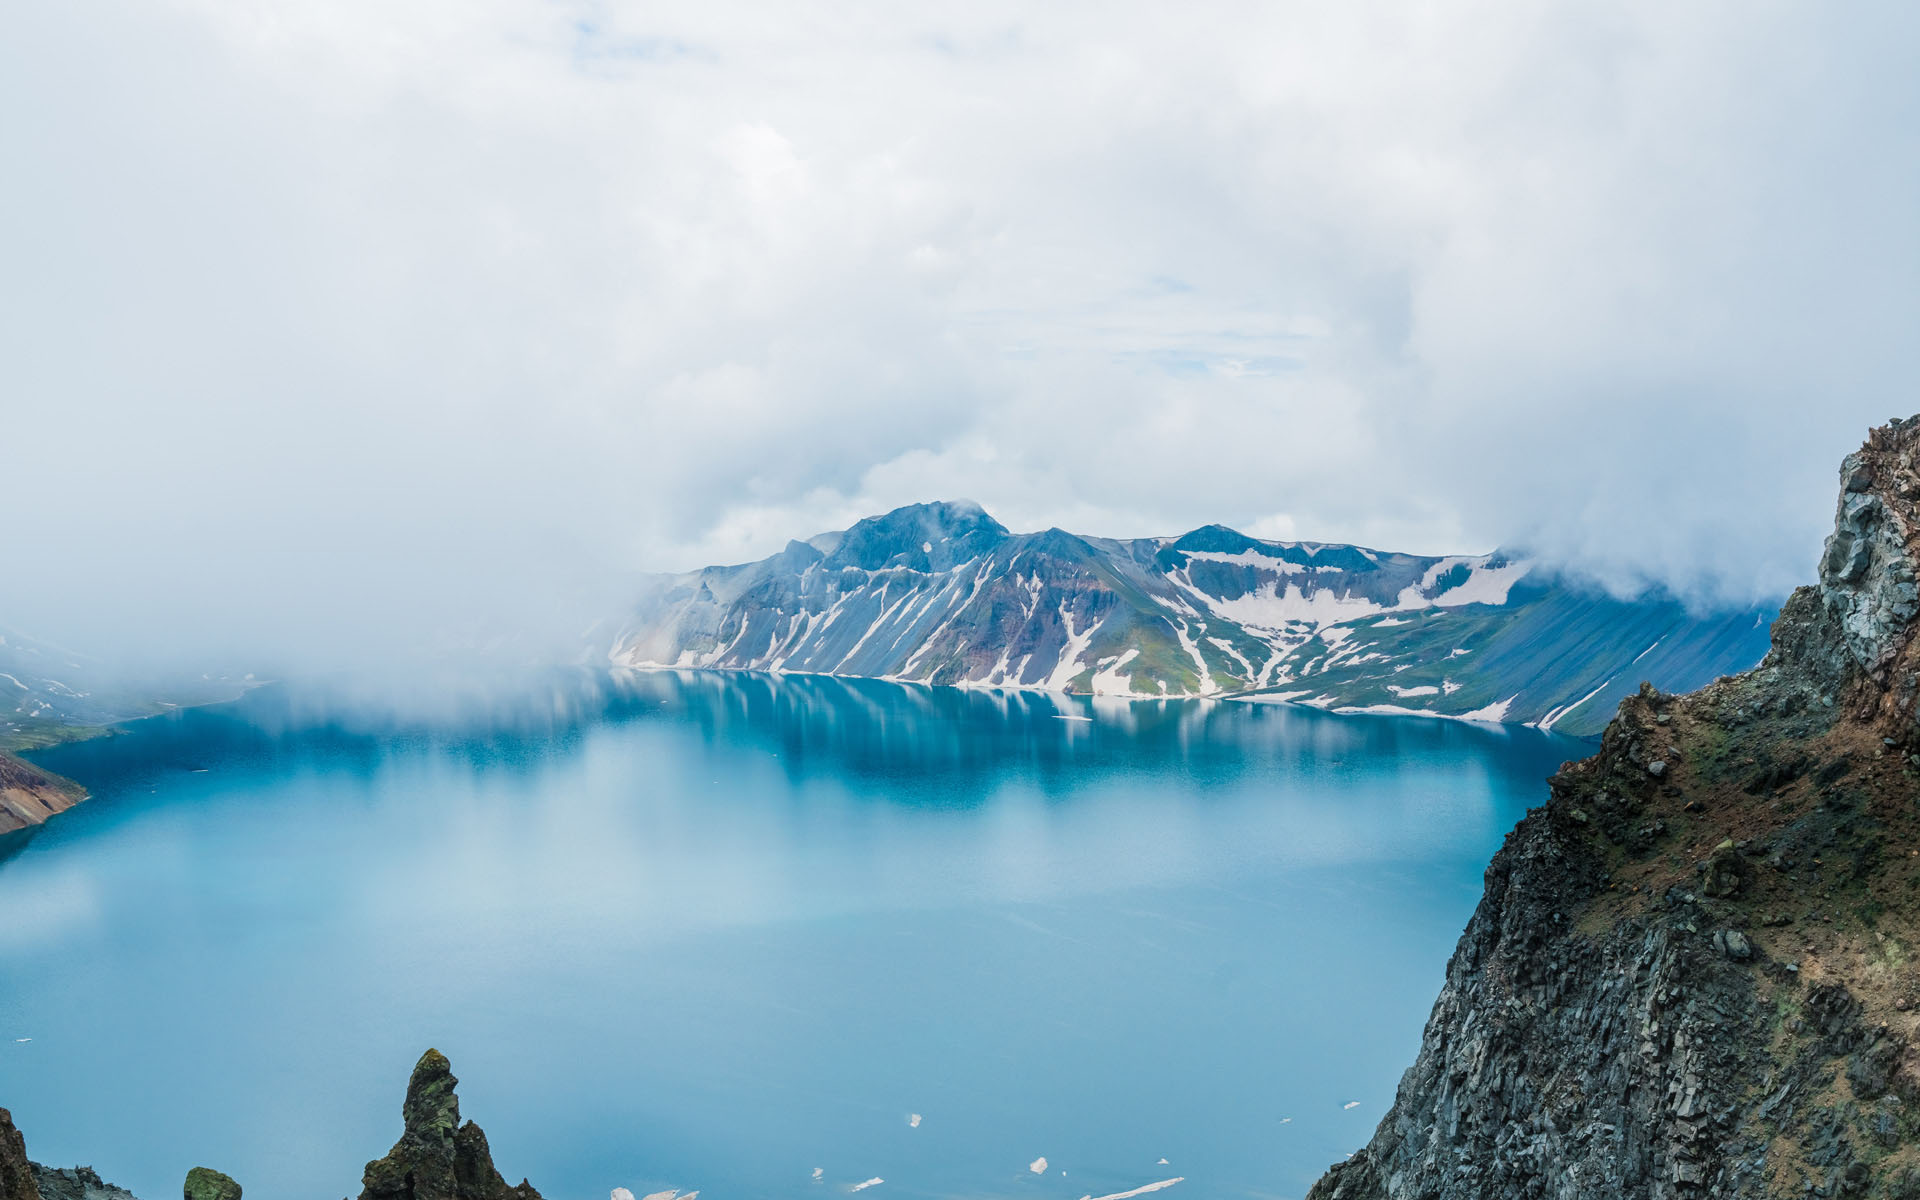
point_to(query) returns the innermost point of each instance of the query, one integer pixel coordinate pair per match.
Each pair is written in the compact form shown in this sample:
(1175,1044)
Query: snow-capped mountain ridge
(944,594)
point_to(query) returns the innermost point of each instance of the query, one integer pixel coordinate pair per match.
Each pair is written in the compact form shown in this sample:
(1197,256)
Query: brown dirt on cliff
(29,795)
(1811,837)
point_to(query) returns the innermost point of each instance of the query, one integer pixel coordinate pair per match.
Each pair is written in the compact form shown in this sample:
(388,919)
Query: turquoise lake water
(717,931)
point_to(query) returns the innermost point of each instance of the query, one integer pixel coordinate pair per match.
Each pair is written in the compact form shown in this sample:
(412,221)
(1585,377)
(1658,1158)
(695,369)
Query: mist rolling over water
(351,332)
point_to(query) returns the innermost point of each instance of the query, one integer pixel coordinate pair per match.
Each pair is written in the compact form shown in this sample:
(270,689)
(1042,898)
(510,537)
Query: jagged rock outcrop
(1693,972)
(76,1183)
(437,1156)
(23,1179)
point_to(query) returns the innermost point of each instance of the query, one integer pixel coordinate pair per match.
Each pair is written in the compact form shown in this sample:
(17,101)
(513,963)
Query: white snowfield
(1485,584)
(1273,609)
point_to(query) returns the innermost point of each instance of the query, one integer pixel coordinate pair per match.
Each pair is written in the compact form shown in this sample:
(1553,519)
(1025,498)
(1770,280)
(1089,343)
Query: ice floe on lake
(1139,1191)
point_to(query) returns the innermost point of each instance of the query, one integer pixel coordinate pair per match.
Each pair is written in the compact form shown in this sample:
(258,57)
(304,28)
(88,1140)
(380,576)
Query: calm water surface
(715,932)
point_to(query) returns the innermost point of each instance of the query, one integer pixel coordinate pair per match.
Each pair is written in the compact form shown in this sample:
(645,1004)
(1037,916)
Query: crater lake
(759,936)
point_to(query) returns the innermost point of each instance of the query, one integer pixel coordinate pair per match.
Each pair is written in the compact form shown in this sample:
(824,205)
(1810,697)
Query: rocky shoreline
(1693,972)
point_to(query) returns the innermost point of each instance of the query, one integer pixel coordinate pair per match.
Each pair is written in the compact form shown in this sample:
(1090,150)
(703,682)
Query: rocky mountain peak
(934,536)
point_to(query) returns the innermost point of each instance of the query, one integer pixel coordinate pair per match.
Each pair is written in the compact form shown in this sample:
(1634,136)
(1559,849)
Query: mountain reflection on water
(683,929)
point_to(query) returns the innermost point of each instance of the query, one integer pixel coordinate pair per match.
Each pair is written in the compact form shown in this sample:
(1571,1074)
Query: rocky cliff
(1693,972)
(945,594)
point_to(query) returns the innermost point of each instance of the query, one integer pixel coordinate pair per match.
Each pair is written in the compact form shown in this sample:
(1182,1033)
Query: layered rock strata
(28,795)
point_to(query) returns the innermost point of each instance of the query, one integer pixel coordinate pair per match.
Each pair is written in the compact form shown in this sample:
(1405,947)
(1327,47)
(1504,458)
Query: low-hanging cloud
(331,329)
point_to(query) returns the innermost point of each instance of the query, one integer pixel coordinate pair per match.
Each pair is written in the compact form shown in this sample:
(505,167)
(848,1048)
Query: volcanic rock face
(437,1157)
(1693,970)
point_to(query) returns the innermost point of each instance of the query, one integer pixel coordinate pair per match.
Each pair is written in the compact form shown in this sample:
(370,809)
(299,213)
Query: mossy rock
(431,1107)
(205,1183)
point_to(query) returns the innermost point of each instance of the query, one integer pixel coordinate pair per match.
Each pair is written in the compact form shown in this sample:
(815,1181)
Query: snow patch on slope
(1069,665)
(1267,607)
(1108,681)
(1207,686)
(1545,724)
(1247,558)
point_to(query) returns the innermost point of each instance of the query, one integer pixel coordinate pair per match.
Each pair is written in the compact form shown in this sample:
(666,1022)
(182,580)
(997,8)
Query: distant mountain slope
(50,694)
(944,594)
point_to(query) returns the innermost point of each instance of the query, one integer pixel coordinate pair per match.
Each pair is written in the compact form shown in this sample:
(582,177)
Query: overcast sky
(322,317)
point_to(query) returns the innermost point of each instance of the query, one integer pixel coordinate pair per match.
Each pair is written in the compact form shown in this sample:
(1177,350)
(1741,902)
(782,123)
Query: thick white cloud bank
(329,325)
